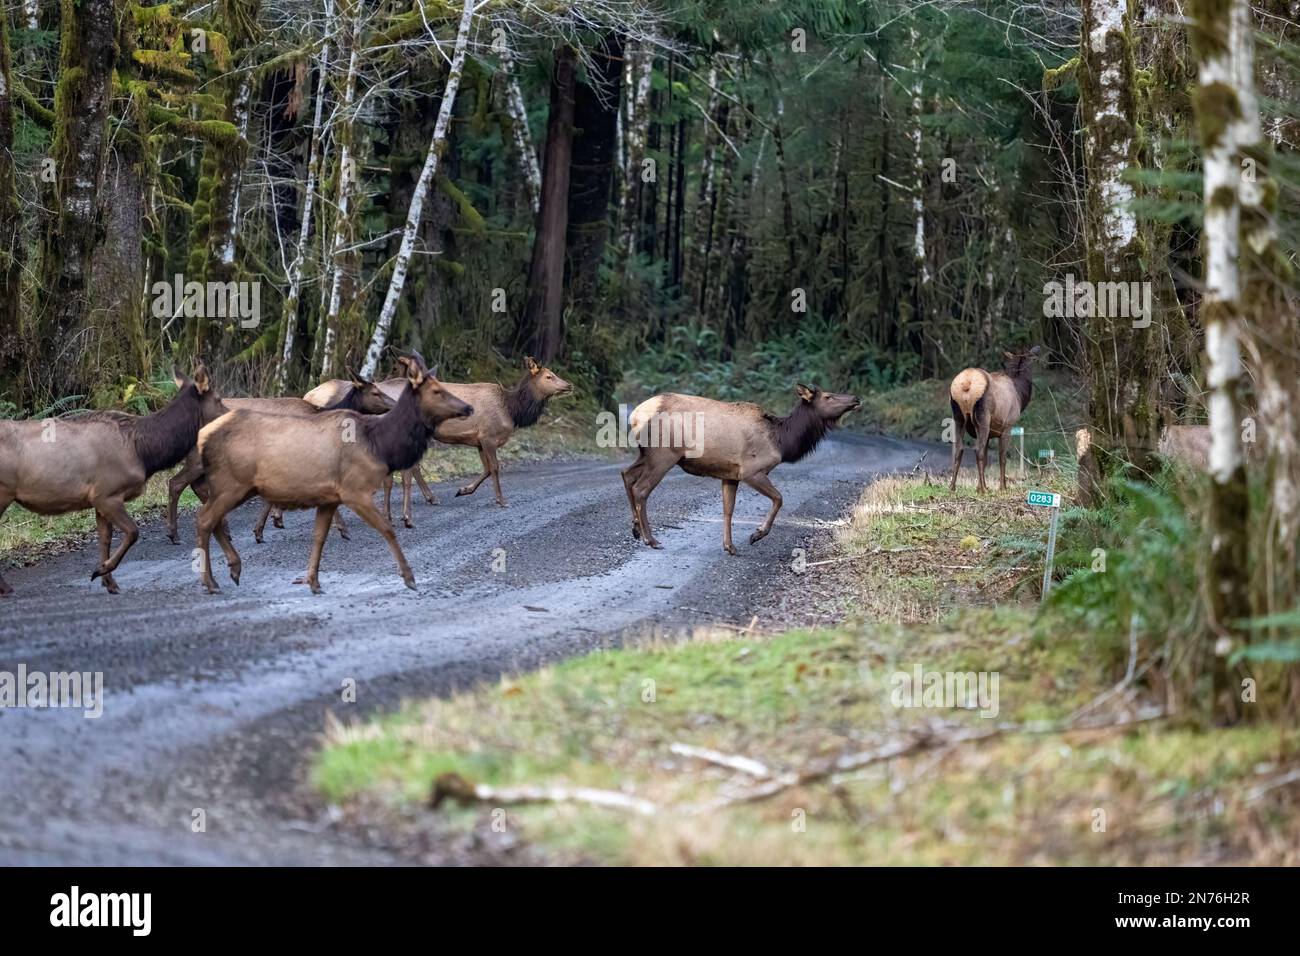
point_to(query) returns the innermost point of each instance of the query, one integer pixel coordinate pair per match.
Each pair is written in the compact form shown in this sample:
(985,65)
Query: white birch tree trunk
(523,137)
(289,314)
(918,172)
(1218,105)
(641,70)
(347,184)
(382,326)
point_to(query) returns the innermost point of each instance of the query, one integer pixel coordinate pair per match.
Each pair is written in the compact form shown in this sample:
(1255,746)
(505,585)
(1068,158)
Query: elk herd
(340,444)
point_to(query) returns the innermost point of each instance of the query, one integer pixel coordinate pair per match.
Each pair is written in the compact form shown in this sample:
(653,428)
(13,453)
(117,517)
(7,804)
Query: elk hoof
(212,586)
(110,585)
(502,503)
(464,491)
(431,500)
(410,583)
(99,572)
(408,523)
(235,571)
(730,549)
(636,531)
(654,543)
(257,536)
(173,537)
(277,521)
(343,533)
(757,536)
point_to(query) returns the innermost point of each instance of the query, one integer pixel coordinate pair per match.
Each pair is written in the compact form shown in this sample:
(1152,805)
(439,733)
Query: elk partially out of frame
(100,461)
(320,461)
(737,443)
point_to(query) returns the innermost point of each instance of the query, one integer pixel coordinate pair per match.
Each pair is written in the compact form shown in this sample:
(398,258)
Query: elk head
(544,383)
(370,399)
(1019,361)
(827,406)
(435,403)
(210,405)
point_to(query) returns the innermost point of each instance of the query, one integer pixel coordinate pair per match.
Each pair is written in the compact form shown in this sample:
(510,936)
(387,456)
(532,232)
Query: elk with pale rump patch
(319,461)
(735,442)
(100,461)
(498,411)
(985,405)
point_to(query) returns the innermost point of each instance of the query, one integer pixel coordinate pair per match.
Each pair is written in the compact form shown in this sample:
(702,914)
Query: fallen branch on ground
(454,786)
(731,761)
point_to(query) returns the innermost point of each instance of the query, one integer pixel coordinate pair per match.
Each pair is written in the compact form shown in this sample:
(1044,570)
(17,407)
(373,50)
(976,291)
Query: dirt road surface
(216,703)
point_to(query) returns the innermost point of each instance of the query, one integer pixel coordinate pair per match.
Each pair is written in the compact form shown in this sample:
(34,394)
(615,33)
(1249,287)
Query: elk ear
(806,393)
(413,373)
(356,379)
(420,363)
(1009,356)
(201,380)
(533,367)
(178,377)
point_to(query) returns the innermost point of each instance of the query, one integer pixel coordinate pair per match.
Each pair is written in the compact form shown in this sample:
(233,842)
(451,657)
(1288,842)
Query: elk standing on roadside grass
(985,405)
(733,442)
(101,460)
(322,461)
(498,412)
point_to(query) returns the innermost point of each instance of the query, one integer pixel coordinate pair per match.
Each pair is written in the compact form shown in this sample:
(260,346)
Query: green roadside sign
(1048,499)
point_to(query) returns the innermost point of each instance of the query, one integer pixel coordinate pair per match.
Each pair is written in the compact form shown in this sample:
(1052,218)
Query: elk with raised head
(356,394)
(735,442)
(498,411)
(985,405)
(100,461)
(319,461)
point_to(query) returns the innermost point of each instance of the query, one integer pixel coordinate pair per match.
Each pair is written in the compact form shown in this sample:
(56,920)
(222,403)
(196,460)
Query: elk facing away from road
(985,405)
(497,413)
(324,460)
(101,460)
(733,442)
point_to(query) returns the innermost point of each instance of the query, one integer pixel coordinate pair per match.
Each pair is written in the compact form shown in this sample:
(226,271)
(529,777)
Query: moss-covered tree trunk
(1272,326)
(1123,344)
(11,239)
(87,53)
(1218,110)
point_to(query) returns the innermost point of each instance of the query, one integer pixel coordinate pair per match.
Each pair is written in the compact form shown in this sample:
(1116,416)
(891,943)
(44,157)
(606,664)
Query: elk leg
(190,472)
(213,515)
(261,522)
(1002,460)
(429,496)
(324,516)
(115,511)
(958,443)
(406,499)
(343,528)
(651,475)
(982,452)
(487,472)
(372,516)
(763,485)
(4,585)
(388,496)
(489,455)
(728,506)
(105,529)
(630,475)
(277,518)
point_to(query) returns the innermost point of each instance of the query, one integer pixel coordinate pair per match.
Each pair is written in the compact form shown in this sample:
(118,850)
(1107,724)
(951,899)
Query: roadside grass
(934,591)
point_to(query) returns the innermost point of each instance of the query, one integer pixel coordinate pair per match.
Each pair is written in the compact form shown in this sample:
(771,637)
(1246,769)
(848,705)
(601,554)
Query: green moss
(470,216)
(1217,107)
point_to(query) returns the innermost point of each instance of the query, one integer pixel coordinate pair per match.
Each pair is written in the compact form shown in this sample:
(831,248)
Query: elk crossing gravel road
(216,703)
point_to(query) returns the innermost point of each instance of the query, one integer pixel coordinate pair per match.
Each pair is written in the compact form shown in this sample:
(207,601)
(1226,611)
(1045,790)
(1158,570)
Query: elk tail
(968,388)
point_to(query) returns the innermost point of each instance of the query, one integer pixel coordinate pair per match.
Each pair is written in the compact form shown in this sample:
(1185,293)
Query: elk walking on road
(737,443)
(320,461)
(100,461)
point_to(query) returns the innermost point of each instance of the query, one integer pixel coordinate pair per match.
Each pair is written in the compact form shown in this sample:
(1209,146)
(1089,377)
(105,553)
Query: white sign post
(1048,499)
(1019,432)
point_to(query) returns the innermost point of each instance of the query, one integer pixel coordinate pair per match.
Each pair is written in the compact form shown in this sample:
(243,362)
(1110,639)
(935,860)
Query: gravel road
(217,702)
